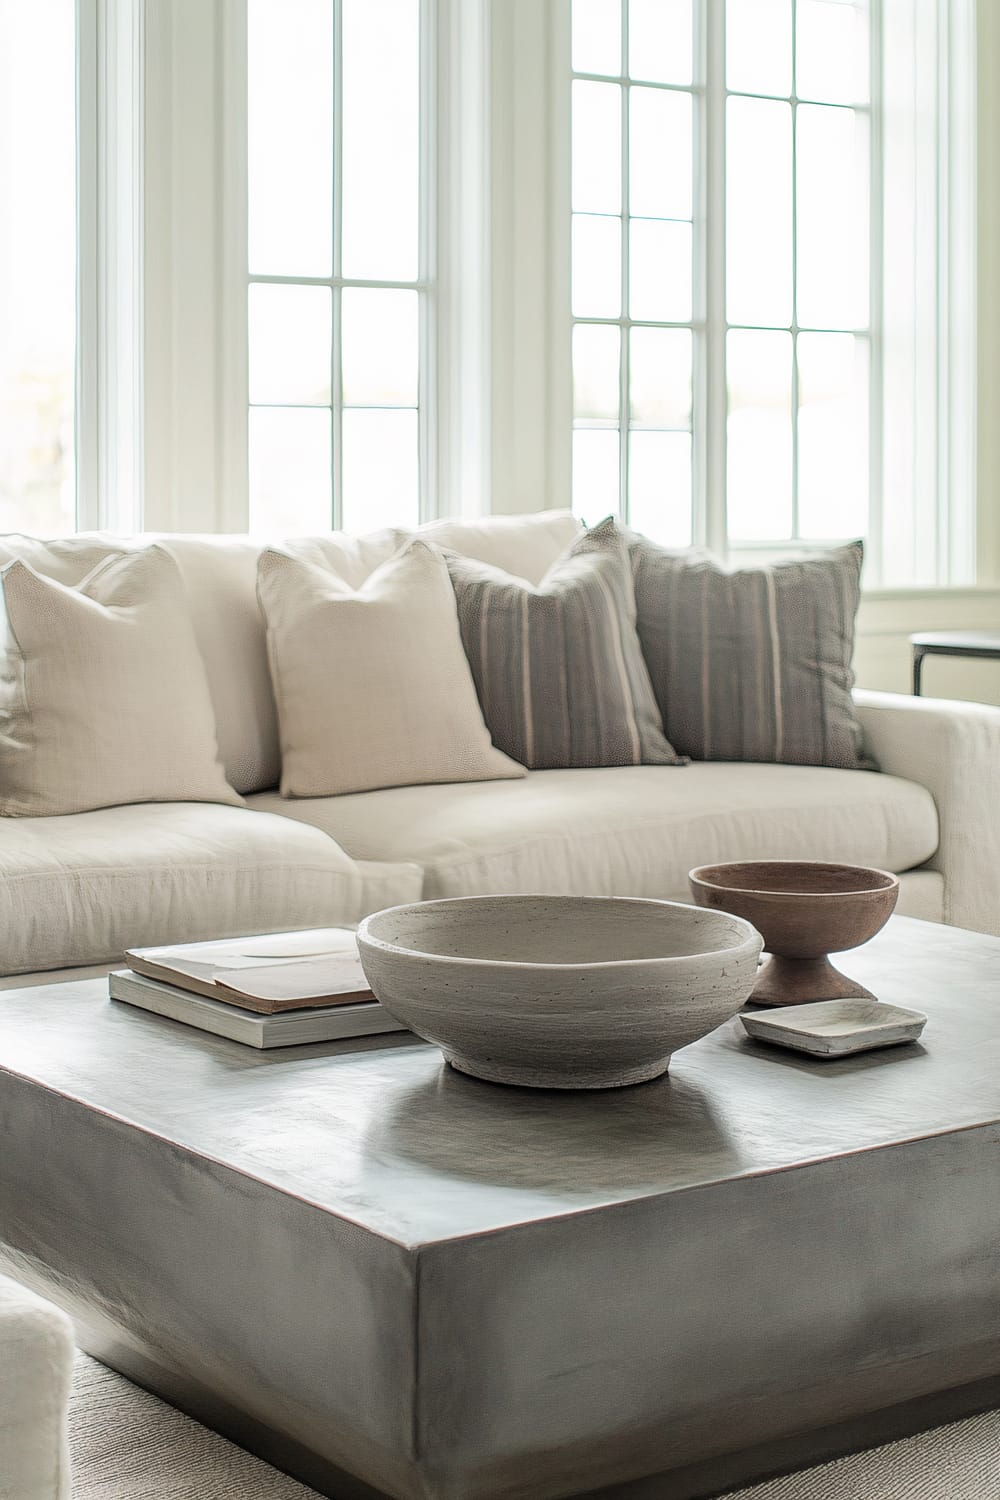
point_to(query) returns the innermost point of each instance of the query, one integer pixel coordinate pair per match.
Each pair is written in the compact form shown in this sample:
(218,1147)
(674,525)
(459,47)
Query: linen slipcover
(81,889)
(627,830)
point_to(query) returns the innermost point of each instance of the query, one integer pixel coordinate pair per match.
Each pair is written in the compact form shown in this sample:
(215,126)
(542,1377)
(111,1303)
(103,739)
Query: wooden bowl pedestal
(804,911)
(800,981)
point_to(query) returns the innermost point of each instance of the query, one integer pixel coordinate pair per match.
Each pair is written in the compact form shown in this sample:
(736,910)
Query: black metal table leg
(918,663)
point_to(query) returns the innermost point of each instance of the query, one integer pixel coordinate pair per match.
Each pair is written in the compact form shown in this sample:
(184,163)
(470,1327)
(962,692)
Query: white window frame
(709,325)
(162,391)
(425,283)
(715,531)
(110,244)
(196,400)
(108,375)
(941,500)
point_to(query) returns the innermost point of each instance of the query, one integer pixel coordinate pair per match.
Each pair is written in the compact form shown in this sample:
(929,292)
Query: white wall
(886,620)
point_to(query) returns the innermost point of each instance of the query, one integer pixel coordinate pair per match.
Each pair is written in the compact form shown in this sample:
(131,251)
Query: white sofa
(75,891)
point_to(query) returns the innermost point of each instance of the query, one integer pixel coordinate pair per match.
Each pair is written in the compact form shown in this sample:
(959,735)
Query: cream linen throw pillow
(372,685)
(103,695)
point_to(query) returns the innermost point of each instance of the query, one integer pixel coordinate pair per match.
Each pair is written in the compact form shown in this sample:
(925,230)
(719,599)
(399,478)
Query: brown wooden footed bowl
(804,910)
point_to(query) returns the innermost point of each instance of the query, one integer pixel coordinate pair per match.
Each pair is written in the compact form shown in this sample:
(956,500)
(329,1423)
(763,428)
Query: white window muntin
(421,286)
(708,325)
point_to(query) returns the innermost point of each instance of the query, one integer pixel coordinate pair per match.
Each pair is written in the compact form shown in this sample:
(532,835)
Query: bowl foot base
(557,1078)
(800,981)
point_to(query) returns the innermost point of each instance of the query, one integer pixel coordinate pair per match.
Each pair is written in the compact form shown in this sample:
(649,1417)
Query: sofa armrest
(953,749)
(36,1367)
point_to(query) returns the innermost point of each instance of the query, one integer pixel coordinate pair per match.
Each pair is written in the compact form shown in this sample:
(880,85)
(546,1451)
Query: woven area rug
(127,1445)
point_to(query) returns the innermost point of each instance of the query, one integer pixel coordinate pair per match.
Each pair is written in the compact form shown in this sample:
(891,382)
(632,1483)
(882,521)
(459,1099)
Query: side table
(968,643)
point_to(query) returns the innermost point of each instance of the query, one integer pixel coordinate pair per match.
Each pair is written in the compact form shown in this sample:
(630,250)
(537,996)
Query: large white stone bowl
(559,992)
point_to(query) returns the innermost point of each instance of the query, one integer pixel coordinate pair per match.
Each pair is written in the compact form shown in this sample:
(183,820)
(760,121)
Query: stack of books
(283,989)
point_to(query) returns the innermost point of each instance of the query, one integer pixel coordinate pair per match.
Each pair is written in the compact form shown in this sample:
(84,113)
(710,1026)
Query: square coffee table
(391,1279)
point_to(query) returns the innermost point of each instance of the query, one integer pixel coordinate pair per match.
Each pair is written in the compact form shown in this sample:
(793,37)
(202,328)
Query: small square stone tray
(834,1028)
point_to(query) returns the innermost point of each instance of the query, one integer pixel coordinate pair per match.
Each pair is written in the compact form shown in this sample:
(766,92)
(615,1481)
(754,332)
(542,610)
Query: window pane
(381,471)
(833,435)
(597,36)
(759,46)
(595,474)
(660,377)
(759,431)
(659,486)
(38,261)
(831,47)
(660,154)
(596,372)
(597,147)
(290,344)
(290,136)
(759,211)
(381,139)
(660,271)
(660,40)
(832,211)
(597,267)
(379,347)
(290,488)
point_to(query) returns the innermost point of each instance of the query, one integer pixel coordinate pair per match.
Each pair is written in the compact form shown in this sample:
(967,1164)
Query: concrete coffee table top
(480,1195)
(382,1132)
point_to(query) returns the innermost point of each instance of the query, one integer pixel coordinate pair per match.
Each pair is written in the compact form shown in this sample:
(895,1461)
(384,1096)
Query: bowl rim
(751,939)
(697,877)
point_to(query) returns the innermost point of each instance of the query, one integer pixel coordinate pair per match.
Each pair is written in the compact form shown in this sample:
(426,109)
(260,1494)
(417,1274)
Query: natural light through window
(797,269)
(786,308)
(633,205)
(337,354)
(37,265)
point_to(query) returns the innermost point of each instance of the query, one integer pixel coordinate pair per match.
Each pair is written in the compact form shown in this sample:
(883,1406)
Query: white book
(283,1029)
(270,972)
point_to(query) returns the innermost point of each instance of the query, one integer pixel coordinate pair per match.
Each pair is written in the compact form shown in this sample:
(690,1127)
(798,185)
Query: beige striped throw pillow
(753,664)
(558,666)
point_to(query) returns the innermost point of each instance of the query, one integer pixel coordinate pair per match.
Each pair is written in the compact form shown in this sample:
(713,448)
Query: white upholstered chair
(36,1366)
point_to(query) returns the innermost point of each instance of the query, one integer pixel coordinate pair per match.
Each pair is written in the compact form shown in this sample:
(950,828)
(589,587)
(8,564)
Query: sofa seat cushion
(627,830)
(82,889)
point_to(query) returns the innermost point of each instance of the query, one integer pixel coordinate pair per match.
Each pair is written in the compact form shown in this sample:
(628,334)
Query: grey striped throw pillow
(558,667)
(753,664)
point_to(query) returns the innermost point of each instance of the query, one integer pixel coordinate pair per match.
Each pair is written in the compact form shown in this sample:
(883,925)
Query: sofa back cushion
(221,576)
(525,546)
(103,694)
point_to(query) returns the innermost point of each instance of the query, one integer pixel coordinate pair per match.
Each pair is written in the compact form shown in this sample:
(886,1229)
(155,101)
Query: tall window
(339,353)
(37,265)
(721,272)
